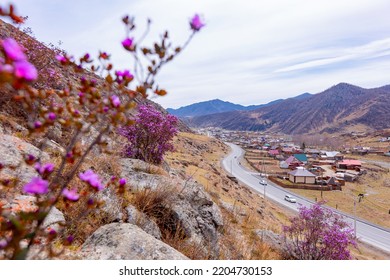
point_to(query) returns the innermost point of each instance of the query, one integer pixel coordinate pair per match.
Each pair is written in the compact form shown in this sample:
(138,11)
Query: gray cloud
(250,52)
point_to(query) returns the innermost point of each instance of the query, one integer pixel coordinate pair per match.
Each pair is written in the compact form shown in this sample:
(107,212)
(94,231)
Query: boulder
(141,220)
(122,241)
(54,220)
(13,150)
(273,239)
(189,204)
(112,205)
(131,165)
(199,216)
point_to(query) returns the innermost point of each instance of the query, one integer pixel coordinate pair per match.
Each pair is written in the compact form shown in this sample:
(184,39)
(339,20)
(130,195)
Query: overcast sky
(250,52)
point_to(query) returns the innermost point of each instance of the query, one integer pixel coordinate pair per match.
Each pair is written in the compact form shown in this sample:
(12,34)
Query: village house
(288,150)
(350,164)
(301,175)
(301,157)
(273,153)
(293,162)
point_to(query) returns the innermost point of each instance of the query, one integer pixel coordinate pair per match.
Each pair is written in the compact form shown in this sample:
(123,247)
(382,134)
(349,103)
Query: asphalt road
(367,232)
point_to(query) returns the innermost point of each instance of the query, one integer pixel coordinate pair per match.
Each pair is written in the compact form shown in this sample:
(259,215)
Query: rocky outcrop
(13,151)
(54,220)
(190,206)
(273,239)
(199,216)
(141,220)
(122,241)
(112,205)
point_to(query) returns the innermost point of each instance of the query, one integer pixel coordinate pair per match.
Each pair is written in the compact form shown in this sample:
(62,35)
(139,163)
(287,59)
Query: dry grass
(82,219)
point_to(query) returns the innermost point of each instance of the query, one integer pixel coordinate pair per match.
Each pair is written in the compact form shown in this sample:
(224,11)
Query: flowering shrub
(319,234)
(151,135)
(84,104)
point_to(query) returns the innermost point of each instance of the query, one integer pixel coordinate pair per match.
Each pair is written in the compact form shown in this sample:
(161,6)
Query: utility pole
(354,216)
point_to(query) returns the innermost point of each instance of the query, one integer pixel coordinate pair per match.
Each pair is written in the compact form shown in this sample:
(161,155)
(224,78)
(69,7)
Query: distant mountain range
(343,107)
(218,106)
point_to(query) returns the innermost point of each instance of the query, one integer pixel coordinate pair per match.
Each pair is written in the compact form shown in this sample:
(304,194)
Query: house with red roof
(350,164)
(273,153)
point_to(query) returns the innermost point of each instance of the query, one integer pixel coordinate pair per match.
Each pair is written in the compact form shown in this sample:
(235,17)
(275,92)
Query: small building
(301,157)
(301,175)
(293,162)
(273,153)
(333,182)
(350,164)
(313,152)
(288,150)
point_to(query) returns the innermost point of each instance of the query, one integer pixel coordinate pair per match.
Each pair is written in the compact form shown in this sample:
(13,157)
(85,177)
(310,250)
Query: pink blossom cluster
(92,179)
(15,61)
(319,234)
(151,135)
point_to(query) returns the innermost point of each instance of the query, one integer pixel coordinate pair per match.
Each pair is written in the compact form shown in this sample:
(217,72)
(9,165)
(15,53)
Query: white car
(290,198)
(263,182)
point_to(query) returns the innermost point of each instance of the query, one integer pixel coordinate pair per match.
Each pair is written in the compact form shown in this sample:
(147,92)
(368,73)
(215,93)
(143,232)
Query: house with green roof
(301,157)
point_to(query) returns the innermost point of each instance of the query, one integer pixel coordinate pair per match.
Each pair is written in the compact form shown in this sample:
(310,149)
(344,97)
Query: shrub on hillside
(319,234)
(151,135)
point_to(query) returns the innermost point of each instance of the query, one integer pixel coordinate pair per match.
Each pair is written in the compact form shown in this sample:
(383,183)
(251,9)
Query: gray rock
(141,220)
(122,241)
(199,216)
(131,166)
(273,239)
(112,205)
(54,220)
(89,135)
(192,208)
(13,150)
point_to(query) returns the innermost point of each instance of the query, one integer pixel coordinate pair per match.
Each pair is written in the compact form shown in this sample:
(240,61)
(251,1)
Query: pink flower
(25,70)
(115,101)
(47,168)
(13,50)
(71,195)
(37,124)
(51,116)
(196,23)
(122,182)
(92,179)
(127,75)
(61,58)
(128,44)
(36,186)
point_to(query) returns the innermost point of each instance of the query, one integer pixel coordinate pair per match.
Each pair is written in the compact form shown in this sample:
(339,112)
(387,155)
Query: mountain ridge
(338,108)
(219,106)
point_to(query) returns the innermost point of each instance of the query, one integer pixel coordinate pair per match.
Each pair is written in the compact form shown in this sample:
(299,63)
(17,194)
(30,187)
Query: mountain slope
(332,110)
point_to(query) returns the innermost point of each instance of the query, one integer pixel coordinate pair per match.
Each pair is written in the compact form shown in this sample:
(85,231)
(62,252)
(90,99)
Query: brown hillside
(333,110)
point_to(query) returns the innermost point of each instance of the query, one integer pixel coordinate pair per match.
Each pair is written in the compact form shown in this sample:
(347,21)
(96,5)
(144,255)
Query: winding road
(367,232)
